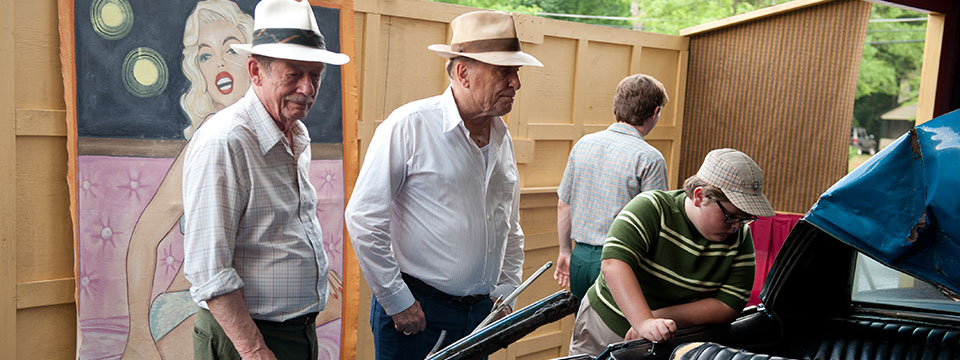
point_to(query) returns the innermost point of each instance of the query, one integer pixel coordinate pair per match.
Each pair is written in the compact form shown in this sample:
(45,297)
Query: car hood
(875,207)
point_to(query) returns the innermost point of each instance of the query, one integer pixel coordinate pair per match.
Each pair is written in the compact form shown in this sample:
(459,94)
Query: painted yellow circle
(145,71)
(111,19)
(112,15)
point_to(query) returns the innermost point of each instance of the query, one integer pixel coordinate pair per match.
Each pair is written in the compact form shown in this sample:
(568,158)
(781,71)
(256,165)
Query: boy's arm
(629,297)
(700,312)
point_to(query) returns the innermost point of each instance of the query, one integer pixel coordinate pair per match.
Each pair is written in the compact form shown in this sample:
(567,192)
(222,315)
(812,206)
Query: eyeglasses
(733,219)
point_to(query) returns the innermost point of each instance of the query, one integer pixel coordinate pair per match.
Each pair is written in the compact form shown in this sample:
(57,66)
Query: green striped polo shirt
(673,263)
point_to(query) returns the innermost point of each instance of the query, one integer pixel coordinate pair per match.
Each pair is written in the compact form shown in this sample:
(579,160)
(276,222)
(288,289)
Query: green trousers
(286,342)
(584,268)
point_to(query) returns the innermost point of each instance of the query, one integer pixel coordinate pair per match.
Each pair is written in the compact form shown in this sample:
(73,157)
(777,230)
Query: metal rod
(443,334)
(497,307)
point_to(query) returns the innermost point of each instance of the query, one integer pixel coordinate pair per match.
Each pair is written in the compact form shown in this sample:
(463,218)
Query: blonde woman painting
(217,73)
(161,314)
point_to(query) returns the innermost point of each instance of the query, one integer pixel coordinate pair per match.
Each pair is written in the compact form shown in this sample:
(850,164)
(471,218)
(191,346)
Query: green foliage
(660,16)
(890,66)
(670,16)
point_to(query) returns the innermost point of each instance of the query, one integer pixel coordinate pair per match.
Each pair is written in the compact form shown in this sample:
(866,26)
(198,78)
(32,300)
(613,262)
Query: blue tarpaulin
(875,207)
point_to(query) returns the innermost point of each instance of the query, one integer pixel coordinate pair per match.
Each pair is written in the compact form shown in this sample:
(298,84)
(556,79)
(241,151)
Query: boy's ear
(698,197)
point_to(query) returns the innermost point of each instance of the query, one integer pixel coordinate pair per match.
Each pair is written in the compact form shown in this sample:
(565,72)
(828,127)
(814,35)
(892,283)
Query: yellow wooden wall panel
(546,94)
(44,230)
(45,292)
(41,122)
(606,65)
(45,333)
(8,190)
(662,64)
(413,72)
(37,55)
(550,158)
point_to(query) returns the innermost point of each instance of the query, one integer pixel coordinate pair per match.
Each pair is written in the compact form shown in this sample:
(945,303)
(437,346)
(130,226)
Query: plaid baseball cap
(740,179)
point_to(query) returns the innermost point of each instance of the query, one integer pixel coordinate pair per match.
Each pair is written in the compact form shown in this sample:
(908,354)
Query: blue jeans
(457,319)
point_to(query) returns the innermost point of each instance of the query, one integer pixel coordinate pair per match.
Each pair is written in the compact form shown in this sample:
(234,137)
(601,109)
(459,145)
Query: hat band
(486,45)
(288,36)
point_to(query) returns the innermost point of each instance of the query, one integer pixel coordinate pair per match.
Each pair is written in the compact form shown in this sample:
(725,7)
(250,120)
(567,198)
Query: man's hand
(655,329)
(259,354)
(562,272)
(507,310)
(411,320)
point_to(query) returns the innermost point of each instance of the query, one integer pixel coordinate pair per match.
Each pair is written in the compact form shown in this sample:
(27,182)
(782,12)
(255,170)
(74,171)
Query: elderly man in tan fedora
(252,244)
(434,217)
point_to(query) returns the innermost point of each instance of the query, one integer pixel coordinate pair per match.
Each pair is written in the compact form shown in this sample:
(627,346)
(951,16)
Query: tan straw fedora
(287,29)
(487,36)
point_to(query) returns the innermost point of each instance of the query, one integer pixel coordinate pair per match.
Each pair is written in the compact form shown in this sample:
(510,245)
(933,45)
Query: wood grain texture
(45,292)
(930,68)
(8,190)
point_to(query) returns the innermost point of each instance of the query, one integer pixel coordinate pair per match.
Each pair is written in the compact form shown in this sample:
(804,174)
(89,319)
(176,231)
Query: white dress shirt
(427,203)
(250,214)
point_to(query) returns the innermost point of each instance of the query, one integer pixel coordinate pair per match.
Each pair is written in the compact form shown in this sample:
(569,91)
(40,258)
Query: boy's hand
(655,329)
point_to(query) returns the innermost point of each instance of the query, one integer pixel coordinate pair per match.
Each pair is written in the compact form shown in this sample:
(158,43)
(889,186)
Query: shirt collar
(452,119)
(624,128)
(268,133)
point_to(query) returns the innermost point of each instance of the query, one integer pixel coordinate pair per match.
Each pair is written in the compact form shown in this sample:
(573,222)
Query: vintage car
(872,271)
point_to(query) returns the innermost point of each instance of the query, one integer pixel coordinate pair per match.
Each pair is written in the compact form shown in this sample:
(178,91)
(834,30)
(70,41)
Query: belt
(299,321)
(419,285)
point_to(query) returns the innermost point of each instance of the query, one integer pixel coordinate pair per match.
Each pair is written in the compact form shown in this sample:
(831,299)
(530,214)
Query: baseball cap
(739,178)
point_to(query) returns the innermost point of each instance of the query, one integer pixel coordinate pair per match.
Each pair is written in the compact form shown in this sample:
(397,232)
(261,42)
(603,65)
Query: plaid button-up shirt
(605,171)
(250,214)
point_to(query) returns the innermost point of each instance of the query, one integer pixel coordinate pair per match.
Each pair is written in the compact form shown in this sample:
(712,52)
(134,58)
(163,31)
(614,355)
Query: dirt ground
(856,160)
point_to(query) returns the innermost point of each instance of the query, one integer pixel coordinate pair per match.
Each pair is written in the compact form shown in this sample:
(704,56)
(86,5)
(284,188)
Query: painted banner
(141,77)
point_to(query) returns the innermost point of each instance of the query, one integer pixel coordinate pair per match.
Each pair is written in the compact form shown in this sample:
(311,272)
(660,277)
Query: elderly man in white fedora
(434,217)
(252,244)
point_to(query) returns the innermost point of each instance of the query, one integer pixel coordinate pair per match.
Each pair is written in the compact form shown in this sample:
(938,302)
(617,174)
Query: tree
(890,67)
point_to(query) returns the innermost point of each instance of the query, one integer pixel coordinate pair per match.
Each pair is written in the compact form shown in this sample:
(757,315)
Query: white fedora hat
(487,36)
(287,29)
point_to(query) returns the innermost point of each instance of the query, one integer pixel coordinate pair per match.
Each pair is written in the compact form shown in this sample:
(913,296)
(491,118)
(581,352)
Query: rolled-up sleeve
(368,217)
(215,191)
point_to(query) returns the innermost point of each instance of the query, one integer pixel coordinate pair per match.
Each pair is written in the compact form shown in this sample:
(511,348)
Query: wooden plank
(350,151)
(40,122)
(533,344)
(36,58)
(44,231)
(931,67)
(523,150)
(45,292)
(673,163)
(8,190)
(751,16)
(539,190)
(42,333)
(371,101)
(414,9)
(534,241)
(553,131)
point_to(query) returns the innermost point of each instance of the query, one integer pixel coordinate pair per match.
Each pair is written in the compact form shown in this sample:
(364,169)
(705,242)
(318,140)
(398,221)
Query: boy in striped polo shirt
(676,258)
